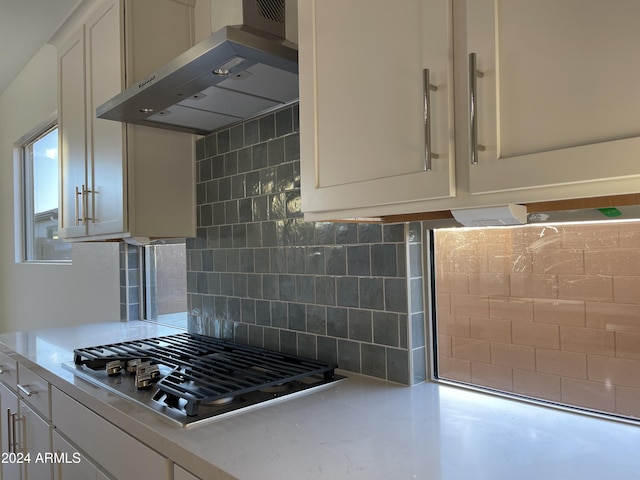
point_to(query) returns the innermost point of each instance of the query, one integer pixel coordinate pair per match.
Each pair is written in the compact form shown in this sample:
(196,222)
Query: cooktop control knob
(146,374)
(113,368)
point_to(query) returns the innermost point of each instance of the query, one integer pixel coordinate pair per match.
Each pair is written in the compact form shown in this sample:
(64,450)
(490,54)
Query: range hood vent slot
(267,15)
(235,74)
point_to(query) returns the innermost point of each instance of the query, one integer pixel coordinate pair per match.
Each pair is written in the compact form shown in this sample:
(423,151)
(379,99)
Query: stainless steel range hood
(236,73)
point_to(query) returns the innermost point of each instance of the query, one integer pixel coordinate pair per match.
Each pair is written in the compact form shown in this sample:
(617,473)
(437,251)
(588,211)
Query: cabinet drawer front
(118,453)
(33,390)
(8,370)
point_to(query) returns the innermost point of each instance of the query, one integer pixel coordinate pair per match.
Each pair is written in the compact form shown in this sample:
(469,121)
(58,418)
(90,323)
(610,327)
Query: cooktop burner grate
(205,370)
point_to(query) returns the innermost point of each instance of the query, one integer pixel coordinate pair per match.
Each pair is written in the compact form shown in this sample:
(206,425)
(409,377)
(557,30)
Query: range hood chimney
(236,73)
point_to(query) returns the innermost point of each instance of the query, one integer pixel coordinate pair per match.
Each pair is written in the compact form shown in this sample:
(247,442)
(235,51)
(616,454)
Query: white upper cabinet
(554,114)
(106,143)
(368,136)
(557,102)
(120,181)
(72,133)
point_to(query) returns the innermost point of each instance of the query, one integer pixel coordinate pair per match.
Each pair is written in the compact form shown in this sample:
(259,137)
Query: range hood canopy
(236,73)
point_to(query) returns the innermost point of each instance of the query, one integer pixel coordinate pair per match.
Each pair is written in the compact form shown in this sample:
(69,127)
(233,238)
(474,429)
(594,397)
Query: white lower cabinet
(119,454)
(180,473)
(35,442)
(46,434)
(24,424)
(73,465)
(9,408)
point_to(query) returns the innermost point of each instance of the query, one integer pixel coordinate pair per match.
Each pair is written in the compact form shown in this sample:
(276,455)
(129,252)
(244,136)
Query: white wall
(39,295)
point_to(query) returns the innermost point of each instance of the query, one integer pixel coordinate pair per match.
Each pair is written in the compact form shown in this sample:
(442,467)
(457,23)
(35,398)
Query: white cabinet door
(180,473)
(137,182)
(8,424)
(72,135)
(557,103)
(92,149)
(362,102)
(116,452)
(35,442)
(106,151)
(76,466)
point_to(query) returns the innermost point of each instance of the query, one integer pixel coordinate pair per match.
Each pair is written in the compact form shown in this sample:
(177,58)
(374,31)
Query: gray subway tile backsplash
(259,274)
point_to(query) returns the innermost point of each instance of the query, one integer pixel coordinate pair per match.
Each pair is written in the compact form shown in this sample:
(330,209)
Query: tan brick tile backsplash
(533,285)
(520,261)
(559,312)
(629,234)
(490,330)
(563,364)
(536,334)
(549,312)
(613,316)
(454,325)
(537,385)
(511,308)
(453,282)
(516,356)
(492,376)
(627,345)
(489,284)
(614,371)
(619,261)
(626,289)
(469,305)
(597,396)
(559,261)
(587,340)
(588,237)
(443,302)
(444,345)
(585,287)
(470,349)
(628,401)
(454,369)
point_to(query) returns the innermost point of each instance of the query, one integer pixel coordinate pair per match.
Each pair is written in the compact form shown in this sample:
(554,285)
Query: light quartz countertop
(360,428)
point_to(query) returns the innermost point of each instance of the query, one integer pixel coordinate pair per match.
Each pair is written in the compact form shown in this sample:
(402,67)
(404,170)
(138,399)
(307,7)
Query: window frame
(24,194)
(149,285)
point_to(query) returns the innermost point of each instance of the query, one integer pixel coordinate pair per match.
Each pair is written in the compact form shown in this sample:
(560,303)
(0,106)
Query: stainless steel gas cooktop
(189,378)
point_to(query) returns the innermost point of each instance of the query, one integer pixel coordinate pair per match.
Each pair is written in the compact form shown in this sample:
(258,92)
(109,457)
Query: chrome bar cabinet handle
(93,205)
(85,204)
(474,74)
(78,193)
(9,424)
(427,88)
(14,443)
(26,390)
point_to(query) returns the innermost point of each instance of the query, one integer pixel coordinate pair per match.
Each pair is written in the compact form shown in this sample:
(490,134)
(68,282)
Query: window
(40,203)
(165,280)
(544,312)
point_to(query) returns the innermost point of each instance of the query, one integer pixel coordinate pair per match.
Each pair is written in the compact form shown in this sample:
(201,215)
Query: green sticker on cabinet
(610,212)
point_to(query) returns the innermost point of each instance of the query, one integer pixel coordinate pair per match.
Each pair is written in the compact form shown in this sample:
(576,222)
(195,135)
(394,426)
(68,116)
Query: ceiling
(25,26)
